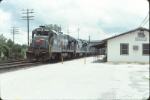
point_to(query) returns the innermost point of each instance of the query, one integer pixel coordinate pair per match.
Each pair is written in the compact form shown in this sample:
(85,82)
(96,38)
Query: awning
(100,45)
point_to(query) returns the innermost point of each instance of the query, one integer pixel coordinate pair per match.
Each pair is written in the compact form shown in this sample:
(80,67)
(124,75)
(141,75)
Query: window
(44,33)
(124,49)
(145,49)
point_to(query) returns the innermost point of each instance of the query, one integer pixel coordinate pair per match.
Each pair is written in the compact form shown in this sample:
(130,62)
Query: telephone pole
(89,39)
(68,31)
(60,28)
(27,17)
(78,32)
(14,31)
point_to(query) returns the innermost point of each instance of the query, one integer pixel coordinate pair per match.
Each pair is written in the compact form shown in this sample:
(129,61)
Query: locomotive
(48,44)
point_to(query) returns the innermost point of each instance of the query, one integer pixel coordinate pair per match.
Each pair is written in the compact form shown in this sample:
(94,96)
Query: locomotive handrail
(50,46)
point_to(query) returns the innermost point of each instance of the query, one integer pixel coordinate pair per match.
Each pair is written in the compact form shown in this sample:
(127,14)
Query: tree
(23,53)
(3,47)
(50,26)
(53,27)
(9,50)
(16,51)
(2,39)
(10,43)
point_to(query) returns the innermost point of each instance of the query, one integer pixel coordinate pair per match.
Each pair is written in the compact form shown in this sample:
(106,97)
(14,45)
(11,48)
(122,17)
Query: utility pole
(14,31)
(60,28)
(78,32)
(68,31)
(89,39)
(27,17)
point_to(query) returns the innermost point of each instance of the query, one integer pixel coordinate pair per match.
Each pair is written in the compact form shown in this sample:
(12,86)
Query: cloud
(4,23)
(96,18)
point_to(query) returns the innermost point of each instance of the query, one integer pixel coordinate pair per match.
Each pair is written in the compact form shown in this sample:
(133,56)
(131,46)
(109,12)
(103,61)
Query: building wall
(113,48)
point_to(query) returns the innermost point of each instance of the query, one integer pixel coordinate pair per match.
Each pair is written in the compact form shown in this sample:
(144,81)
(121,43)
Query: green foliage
(16,51)
(23,53)
(9,50)
(53,27)
(24,46)
(2,39)
(4,49)
(10,43)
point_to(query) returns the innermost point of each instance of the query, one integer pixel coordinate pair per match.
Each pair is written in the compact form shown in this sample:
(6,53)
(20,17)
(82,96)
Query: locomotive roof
(39,29)
(46,29)
(71,38)
(55,32)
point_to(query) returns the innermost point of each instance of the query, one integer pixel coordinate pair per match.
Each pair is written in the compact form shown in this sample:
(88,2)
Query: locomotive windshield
(40,33)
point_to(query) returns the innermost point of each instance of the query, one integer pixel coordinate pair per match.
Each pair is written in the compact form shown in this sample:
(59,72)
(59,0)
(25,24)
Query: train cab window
(45,33)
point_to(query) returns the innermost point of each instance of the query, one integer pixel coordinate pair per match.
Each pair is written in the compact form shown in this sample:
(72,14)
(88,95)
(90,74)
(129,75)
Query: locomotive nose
(38,41)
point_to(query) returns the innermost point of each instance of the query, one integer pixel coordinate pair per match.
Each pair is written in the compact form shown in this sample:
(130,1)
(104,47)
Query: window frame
(146,49)
(124,49)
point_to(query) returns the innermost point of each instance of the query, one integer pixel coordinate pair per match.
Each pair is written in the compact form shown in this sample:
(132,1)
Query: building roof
(102,44)
(140,28)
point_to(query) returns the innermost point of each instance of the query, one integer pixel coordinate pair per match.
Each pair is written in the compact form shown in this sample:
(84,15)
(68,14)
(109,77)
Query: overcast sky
(98,19)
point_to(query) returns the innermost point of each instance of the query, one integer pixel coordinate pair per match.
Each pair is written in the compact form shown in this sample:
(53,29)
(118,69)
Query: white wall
(113,48)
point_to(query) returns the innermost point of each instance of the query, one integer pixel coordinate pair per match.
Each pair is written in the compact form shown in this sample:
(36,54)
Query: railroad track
(13,65)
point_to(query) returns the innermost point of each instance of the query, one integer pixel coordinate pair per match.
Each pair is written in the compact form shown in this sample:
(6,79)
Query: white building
(131,46)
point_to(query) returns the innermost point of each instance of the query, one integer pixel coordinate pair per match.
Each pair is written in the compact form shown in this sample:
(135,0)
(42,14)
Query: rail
(23,64)
(17,64)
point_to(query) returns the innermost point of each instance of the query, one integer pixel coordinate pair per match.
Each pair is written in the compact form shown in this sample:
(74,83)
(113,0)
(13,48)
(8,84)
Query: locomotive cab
(39,44)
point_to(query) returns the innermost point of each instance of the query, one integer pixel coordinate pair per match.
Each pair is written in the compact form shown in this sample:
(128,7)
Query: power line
(144,19)
(27,17)
(145,22)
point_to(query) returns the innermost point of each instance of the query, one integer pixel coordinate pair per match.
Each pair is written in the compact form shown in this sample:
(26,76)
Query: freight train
(48,44)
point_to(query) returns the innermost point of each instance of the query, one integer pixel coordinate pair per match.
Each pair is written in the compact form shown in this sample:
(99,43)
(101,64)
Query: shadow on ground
(99,61)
